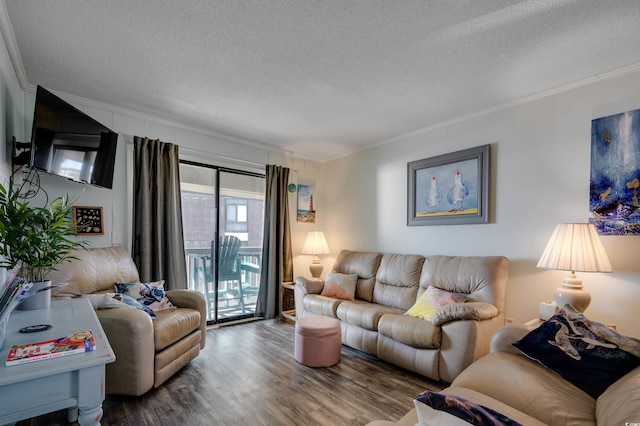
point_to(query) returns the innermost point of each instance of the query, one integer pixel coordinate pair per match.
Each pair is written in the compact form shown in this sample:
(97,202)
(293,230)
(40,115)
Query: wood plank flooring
(247,375)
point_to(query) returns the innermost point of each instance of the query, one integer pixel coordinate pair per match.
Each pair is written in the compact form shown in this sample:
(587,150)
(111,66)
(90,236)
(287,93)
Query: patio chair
(229,273)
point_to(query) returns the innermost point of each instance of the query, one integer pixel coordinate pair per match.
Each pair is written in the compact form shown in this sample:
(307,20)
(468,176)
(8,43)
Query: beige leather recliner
(148,351)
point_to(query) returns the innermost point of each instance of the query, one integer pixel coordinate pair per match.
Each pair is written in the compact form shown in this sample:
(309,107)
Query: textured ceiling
(318,79)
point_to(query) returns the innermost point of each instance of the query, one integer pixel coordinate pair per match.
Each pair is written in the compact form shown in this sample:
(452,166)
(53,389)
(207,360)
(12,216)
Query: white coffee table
(75,381)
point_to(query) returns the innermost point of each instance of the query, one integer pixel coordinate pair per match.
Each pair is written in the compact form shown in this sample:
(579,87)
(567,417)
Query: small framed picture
(88,220)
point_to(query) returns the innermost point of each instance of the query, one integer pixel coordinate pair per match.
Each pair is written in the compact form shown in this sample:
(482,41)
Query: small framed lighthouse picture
(449,189)
(88,220)
(306,208)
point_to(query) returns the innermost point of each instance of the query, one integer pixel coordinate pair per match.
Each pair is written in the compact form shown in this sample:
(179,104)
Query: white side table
(75,382)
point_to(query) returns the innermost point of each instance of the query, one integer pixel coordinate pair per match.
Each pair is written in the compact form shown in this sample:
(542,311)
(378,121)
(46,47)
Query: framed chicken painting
(449,189)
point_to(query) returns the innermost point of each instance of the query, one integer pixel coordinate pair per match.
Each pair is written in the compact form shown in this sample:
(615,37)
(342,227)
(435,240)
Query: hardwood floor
(247,375)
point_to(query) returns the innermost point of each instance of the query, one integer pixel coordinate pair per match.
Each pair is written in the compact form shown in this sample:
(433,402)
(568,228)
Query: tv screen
(67,142)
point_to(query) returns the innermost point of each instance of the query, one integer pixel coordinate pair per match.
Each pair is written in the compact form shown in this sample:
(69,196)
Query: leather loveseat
(148,351)
(389,284)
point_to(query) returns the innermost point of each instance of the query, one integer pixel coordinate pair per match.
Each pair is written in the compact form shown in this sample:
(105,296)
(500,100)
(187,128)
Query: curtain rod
(205,154)
(213,156)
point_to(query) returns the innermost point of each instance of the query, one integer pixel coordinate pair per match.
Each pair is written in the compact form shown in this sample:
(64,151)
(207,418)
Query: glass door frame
(216,237)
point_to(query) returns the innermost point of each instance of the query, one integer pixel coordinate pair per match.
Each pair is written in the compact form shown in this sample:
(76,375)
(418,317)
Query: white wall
(11,110)
(539,177)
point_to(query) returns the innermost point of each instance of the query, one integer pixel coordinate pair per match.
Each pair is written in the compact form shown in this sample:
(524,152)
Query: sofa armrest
(195,300)
(310,285)
(502,340)
(303,287)
(476,311)
(130,334)
(463,342)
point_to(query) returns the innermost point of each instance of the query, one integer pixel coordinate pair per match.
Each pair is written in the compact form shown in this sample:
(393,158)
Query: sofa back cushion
(397,280)
(365,265)
(483,278)
(620,403)
(94,270)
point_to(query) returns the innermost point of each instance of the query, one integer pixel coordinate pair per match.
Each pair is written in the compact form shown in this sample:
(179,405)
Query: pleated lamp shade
(574,247)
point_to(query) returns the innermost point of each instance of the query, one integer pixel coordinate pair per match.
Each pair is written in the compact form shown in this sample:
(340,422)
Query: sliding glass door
(222,213)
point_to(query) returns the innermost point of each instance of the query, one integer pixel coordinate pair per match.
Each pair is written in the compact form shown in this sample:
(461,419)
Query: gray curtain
(277,257)
(158,245)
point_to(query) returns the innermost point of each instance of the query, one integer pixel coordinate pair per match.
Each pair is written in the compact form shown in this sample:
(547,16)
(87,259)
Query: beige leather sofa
(389,284)
(527,392)
(148,351)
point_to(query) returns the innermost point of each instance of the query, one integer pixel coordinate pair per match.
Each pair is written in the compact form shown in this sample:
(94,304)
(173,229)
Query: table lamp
(574,247)
(315,244)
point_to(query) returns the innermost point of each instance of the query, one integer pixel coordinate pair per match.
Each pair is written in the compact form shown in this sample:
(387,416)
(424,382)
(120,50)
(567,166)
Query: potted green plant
(35,238)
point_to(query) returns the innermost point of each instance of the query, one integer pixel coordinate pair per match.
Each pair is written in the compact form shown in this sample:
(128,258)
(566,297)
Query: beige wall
(539,178)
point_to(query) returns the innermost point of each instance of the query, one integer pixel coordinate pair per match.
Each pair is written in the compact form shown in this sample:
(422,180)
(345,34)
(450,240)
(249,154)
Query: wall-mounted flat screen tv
(67,142)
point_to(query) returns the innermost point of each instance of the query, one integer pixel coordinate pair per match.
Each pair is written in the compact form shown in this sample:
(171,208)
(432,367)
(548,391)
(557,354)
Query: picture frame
(87,220)
(614,186)
(306,212)
(449,189)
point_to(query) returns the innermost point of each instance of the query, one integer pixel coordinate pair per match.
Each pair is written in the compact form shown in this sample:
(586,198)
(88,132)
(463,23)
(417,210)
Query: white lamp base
(571,293)
(316,267)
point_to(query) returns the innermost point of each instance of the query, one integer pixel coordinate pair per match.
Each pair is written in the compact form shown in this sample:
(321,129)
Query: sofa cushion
(483,278)
(365,265)
(340,286)
(620,403)
(363,314)
(397,280)
(426,305)
(172,325)
(414,332)
(584,352)
(529,387)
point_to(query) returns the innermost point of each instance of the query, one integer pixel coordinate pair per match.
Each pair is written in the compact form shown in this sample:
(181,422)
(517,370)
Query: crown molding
(12,46)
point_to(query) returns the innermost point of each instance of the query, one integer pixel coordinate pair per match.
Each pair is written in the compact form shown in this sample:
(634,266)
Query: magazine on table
(76,343)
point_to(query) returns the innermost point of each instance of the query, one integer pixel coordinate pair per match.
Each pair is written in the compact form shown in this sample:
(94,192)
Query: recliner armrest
(310,285)
(476,311)
(502,340)
(130,334)
(187,299)
(195,300)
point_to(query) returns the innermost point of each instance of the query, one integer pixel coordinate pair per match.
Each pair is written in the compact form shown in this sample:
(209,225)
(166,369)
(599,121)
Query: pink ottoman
(318,341)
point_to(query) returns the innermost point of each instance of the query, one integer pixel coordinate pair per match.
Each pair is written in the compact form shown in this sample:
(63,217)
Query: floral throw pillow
(340,286)
(427,304)
(116,300)
(130,301)
(150,294)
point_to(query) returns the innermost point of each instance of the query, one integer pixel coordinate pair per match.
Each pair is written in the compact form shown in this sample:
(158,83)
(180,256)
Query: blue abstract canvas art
(615,174)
